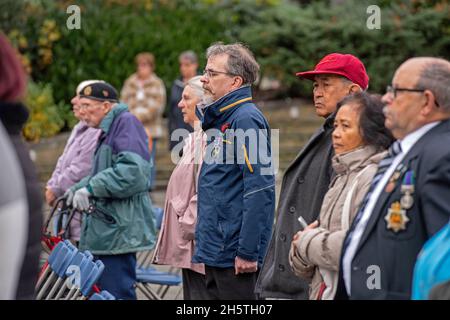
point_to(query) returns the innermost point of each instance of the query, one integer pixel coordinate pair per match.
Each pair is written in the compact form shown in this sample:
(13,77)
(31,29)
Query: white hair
(196,85)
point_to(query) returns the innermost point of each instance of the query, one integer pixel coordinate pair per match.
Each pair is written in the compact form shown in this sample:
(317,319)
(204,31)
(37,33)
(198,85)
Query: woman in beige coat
(175,244)
(359,140)
(145,95)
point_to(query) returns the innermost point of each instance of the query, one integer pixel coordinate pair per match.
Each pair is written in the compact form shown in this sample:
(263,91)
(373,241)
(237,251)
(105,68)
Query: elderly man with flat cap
(120,222)
(306,180)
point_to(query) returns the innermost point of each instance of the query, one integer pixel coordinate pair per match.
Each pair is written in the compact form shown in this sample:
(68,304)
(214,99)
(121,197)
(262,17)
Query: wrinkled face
(217,82)
(346,135)
(328,91)
(77,112)
(144,69)
(94,111)
(402,110)
(187,105)
(188,69)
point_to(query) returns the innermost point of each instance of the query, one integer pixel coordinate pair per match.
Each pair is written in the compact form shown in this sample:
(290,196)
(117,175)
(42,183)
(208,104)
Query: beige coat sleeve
(298,265)
(125,92)
(156,101)
(321,247)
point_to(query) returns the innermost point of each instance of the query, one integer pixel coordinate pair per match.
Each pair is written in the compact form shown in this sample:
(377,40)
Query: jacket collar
(222,107)
(359,157)
(116,110)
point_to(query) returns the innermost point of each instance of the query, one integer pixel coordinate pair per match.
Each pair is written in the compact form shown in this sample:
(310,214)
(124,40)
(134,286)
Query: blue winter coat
(236,188)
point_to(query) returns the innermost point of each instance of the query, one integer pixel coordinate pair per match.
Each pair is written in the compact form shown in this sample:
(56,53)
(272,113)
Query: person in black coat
(13,115)
(409,198)
(307,178)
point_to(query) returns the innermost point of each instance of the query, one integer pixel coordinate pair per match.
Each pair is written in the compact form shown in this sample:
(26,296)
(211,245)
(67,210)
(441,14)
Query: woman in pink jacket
(176,238)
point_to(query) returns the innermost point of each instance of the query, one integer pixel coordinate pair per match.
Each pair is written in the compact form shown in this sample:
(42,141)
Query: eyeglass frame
(86,106)
(393,90)
(207,73)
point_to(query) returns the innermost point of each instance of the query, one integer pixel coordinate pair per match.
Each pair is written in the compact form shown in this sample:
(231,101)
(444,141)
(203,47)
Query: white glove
(69,196)
(81,199)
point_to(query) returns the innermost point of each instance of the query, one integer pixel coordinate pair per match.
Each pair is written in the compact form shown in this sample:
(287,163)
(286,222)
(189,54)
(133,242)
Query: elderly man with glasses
(236,188)
(120,223)
(408,200)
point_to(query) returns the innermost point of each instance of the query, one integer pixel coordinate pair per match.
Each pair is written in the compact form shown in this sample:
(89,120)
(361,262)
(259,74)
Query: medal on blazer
(396,217)
(395,176)
(407,190)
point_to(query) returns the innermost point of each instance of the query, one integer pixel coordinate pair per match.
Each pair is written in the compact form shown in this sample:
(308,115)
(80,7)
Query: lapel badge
(216,148)
(396,217)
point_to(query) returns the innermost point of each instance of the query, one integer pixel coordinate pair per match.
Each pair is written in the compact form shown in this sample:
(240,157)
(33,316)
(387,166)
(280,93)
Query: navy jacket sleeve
(254,157)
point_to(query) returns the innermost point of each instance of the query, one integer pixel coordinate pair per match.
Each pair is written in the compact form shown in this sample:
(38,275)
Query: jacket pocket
(224,219)
(178,206)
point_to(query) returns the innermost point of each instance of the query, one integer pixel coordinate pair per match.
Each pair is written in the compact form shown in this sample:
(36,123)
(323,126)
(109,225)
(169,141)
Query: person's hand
(50,197)
(69,196)
(311,226)
(81,199)
(244,266)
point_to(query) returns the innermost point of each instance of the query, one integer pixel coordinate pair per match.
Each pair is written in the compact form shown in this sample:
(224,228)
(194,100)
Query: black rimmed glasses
(393,90)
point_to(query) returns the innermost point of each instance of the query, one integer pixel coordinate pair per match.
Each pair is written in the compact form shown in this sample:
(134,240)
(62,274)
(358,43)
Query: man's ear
(354,88)
(238,81)
(429,102)
(106,107)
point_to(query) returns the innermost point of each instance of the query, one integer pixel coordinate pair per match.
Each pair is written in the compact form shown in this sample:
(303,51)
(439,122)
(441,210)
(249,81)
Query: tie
(393,151)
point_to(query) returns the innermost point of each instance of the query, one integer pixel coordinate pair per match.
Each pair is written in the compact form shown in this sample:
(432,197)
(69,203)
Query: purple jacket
(73,165)
(76,161)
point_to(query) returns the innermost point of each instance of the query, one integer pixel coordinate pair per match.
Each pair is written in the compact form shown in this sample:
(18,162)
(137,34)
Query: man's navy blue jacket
(236,188)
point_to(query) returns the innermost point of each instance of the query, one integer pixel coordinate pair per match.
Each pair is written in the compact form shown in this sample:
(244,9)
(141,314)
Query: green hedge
(286,36)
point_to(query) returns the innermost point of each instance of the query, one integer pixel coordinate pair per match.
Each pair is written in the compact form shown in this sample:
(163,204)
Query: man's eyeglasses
(87,106)
(393,90)
(212,73)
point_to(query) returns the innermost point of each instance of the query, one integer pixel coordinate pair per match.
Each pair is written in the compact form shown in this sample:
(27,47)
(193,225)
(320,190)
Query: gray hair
(241,61)
(435,77)
(196,85)
(188,55)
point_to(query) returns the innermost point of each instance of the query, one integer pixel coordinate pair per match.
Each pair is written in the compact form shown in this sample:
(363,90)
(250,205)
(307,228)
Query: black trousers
(223,284)
(194,285)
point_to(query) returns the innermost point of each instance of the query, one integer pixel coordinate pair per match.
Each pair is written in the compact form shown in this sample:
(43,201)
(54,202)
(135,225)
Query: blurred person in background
(13,115)
(13,219)
(145,95)
(188,69)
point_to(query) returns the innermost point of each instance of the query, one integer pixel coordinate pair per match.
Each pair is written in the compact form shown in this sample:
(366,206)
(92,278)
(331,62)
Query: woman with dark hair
(359,141)
(13,115)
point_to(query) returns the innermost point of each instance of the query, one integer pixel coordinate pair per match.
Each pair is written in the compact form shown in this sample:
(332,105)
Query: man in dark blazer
(307,178)
(410,199)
